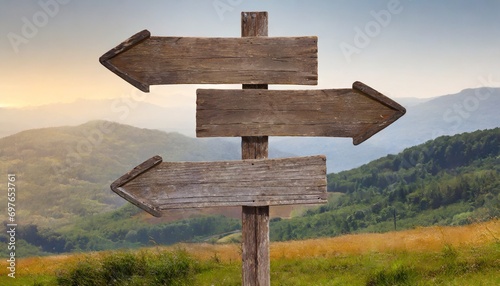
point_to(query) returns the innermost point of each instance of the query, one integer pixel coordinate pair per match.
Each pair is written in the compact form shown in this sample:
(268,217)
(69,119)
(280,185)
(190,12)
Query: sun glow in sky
(49,49)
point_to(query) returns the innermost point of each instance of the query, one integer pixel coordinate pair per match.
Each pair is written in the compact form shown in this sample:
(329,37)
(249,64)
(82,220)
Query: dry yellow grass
(421,239)
(47,264)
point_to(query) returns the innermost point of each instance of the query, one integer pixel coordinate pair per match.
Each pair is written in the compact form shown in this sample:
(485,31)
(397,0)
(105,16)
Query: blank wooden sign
(143,60)
(155,185)
(358,113)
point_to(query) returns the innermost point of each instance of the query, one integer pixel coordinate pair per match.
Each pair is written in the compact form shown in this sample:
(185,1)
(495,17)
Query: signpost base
(255,229)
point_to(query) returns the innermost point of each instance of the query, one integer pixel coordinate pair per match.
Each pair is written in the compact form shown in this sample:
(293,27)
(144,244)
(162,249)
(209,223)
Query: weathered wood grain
(256,261)
(155,185)
(332,112)
(255,250)
(143,60)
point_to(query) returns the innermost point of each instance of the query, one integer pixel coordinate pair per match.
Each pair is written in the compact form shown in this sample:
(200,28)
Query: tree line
(449,180)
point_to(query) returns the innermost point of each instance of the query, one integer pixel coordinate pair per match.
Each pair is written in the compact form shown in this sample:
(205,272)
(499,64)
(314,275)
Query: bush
(84,274)
(120,267)
(128,268)
(168,269)
(397,275)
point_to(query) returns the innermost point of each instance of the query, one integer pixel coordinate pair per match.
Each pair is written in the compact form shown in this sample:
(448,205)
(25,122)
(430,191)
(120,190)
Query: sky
(50,49)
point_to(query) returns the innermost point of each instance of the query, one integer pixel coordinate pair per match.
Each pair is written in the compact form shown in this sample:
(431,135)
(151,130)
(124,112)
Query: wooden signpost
(253,113)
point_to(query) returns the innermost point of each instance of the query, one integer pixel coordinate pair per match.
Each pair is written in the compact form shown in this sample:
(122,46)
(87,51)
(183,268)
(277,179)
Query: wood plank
(156,185)
(353,113)
(143,60)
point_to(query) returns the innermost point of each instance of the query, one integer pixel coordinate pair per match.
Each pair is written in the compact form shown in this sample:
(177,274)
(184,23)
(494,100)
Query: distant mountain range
(426,119)
(125,111)
(467,111)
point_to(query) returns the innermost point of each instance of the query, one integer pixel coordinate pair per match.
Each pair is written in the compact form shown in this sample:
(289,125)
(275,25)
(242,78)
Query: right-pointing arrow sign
(358,113)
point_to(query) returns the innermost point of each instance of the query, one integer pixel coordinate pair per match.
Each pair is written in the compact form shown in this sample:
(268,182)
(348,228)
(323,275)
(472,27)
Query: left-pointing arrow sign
(143,60)
(155,186)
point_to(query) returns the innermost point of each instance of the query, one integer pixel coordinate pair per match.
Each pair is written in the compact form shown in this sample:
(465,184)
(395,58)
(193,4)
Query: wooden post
(255,220)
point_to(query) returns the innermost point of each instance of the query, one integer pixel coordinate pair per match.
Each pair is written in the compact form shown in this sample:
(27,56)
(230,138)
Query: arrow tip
(128,44)
(379,97)
(116,186)
(361,87)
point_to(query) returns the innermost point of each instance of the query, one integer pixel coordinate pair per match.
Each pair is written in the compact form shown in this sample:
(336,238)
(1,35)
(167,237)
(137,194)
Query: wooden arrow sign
(143,60)
(359,112)
(155,185)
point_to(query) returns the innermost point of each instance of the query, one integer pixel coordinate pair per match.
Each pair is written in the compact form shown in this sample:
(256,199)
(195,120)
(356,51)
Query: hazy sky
(49,49)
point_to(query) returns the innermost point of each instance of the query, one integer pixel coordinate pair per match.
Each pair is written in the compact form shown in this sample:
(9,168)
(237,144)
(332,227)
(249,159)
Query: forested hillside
(64,202)
(447,181)
(63,199)
(65,172)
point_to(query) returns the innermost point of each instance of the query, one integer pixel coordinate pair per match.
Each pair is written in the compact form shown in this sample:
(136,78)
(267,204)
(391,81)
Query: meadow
(462,255)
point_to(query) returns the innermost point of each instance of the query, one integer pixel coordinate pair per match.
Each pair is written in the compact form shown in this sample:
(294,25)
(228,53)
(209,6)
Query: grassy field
(465,255)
